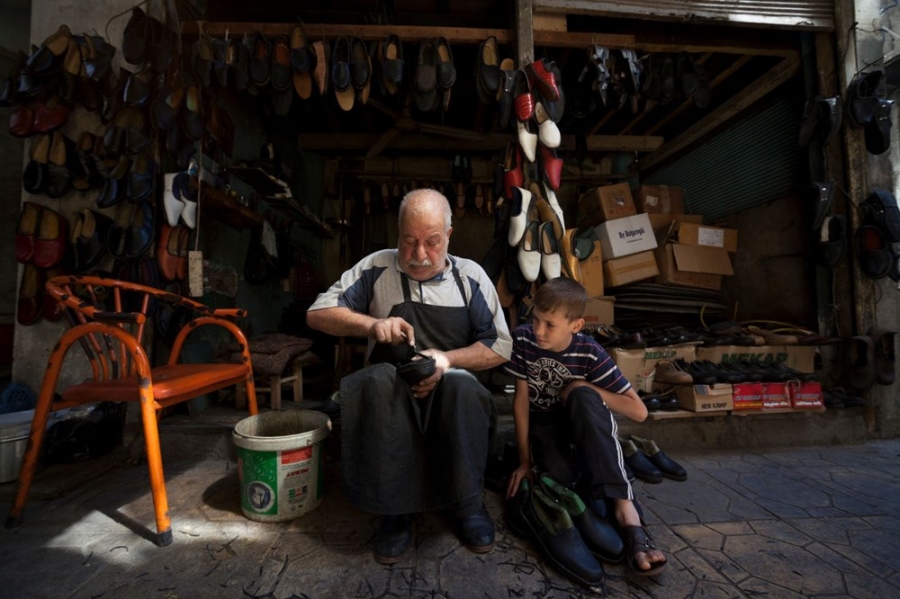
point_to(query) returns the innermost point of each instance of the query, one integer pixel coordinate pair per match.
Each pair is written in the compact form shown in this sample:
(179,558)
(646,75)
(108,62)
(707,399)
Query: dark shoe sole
(388,561)
(481,549)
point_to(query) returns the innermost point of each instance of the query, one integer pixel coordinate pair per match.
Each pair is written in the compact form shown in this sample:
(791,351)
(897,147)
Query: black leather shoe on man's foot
(392,538)
(477,531)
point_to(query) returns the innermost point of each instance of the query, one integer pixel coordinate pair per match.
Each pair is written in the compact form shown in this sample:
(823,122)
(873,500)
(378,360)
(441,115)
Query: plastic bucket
(280,463)
(14,430)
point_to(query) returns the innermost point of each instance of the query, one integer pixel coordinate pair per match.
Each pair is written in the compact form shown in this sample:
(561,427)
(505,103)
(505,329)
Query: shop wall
(14,27)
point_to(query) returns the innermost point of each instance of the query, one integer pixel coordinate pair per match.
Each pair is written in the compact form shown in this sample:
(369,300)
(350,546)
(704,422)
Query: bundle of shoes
(41,243)
(655,401)
(744,369)
(749,333)
(868,108)
(869,359)
(878,237)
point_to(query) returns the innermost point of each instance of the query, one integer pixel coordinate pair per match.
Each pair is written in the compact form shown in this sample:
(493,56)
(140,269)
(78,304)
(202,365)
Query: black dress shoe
(599,535)
(554,532)
(642,467)
(477,531)
(392,538)
(666,465)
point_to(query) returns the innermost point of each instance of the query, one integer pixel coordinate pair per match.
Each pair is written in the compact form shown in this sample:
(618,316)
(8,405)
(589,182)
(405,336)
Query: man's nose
(420,253)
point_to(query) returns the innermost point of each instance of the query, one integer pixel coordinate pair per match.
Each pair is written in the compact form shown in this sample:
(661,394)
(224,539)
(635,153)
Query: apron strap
(407,294)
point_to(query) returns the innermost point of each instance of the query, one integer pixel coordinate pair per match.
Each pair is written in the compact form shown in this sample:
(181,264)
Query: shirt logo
(546,379)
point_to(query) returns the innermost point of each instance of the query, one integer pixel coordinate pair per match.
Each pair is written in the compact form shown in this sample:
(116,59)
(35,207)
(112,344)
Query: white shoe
(518,215)
(547,129)
(551,265)
(529,257)
(527,140)
(171,203)
(550,196)
(189,214)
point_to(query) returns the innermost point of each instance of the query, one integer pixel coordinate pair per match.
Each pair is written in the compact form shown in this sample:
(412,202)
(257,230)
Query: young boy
(567,387)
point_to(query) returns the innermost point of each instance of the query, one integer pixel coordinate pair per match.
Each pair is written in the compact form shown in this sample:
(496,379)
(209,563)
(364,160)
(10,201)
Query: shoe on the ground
(599,535)
(554,532)
(392,538)
(668,372)
(640,465)
(477,531)
(669,467)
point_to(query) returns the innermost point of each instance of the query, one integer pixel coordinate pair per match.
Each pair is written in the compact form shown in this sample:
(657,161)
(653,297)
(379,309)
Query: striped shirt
(373,286)
(548,372)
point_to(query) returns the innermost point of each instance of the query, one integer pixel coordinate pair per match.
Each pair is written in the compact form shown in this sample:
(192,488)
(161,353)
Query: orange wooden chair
(111,338)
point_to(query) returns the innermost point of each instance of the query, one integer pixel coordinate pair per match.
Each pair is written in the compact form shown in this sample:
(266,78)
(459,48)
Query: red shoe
(543,79)
(28,225)
(51,240)
(50,116)
(512,170)
(524,101)
(552,166)
(31,292)
(21,122)
(167,262)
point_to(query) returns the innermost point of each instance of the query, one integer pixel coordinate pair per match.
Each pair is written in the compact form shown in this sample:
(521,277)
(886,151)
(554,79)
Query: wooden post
(524,22)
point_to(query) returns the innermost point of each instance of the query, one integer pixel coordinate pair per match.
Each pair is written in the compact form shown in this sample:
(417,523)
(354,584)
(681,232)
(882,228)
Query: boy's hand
(523,471)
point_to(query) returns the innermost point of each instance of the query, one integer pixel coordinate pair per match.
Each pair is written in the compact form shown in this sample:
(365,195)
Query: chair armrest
(229,312)
(119,317)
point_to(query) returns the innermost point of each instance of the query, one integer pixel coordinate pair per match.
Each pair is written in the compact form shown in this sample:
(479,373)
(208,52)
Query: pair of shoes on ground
(648,462)
(660,400)
(572,535)
(394,535)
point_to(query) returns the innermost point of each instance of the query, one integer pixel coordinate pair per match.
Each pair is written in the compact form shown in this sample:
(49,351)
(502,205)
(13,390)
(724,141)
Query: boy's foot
(643,557)
(392,538)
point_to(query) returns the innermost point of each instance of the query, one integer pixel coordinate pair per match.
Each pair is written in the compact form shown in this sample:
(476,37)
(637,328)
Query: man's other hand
(393,331)
(441,365)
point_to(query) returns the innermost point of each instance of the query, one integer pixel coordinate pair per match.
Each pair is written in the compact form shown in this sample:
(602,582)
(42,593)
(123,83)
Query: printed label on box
(748,396)
(775,397)
(711,237)
(806,396)
(651,201)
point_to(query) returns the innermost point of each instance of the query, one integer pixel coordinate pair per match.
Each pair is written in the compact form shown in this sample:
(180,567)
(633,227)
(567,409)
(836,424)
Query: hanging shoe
(883,352)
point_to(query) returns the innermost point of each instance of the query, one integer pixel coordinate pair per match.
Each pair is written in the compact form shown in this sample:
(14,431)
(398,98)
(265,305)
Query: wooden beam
(362,142)
(524,23)
(727,111)
(464,35)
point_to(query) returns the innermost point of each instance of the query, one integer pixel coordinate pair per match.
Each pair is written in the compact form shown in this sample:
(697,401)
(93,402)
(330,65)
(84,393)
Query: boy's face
(554,330)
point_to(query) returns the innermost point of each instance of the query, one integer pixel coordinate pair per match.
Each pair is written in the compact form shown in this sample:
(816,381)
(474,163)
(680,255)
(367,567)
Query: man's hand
(393,331)
(441,365)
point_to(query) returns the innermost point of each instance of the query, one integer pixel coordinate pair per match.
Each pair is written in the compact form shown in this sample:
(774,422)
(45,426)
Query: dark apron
(404,455)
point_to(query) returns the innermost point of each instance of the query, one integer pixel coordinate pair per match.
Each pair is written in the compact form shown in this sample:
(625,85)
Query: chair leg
(33,449)
(275,391)
(298,382)
(154,465)
(250,388)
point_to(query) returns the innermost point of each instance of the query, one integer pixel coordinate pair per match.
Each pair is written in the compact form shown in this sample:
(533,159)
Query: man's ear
(577,325)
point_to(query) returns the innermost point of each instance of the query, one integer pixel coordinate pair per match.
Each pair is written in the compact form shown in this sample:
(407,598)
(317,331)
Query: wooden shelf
(676,414)
(226,209)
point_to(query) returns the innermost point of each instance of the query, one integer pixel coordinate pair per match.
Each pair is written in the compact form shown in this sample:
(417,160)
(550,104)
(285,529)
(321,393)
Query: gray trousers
(402,455)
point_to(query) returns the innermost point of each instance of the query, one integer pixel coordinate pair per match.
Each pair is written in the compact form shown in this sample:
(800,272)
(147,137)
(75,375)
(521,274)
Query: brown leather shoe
(669,372)
(51,240)
(571,265)
(320,73)
(25,233)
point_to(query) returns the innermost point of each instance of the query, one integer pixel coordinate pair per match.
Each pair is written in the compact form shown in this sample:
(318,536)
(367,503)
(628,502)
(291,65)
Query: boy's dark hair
(561,295)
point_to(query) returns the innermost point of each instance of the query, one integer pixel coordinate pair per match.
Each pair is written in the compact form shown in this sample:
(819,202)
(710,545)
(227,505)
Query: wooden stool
(277,381)
(343,356)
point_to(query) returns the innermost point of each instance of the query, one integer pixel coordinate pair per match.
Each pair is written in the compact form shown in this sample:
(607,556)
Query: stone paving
(811,522)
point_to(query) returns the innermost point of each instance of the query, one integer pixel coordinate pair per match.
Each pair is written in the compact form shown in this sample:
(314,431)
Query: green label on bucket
(280,484)
(259,481)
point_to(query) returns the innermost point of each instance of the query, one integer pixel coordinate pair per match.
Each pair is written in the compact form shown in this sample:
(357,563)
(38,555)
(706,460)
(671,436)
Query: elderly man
(420,447)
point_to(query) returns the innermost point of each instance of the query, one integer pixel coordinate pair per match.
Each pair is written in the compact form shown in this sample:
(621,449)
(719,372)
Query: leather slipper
(875,258)
(859,362)
(883,341)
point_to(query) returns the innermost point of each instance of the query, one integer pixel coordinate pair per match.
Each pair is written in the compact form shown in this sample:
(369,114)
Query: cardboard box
(605,203)
(747,396)
(775,397)
(705,398)
(599,310)
(625,236)
(592,272)
(658,221)
(629,269)
(659,199)
(692,266)
(808,396)
(639,365)
(713,237)
(798,357)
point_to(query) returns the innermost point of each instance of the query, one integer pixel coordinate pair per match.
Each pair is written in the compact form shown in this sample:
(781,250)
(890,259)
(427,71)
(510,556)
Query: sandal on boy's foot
(638,540)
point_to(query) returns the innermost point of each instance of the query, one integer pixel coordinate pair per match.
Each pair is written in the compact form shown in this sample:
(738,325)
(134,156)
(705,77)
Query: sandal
(638,540)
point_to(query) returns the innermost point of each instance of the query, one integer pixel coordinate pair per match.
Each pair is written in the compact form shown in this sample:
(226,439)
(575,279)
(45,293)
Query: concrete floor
(794,522)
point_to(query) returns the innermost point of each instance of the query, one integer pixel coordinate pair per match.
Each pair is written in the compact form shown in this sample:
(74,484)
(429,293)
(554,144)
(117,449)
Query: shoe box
(706,398)
(605,203)
(592,273)
(693,264)
(625,236)
(636,267)
(659,199)
(639,365)
(658,221)
(778,396)
(798,357)
(709,237)
(599,310)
